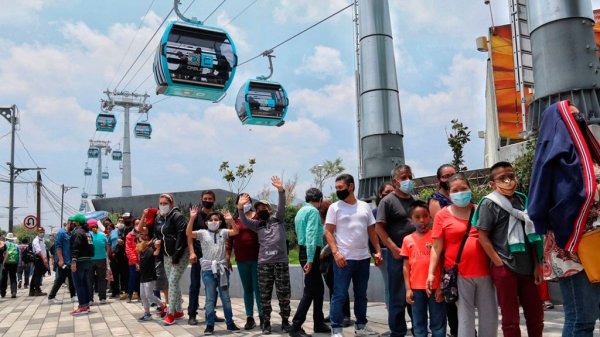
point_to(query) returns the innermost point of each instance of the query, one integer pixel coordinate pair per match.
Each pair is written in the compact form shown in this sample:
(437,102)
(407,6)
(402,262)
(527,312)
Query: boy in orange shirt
(416,249)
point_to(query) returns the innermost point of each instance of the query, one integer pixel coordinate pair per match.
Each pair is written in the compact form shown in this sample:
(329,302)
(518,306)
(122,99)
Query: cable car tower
(97,148)
(126,100)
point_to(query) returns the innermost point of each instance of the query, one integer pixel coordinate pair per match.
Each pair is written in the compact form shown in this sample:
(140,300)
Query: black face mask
(343,194)
(208,204)
(445,185)
(264,215)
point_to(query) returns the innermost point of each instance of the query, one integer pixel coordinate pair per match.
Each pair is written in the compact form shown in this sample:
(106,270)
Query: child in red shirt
(416,249)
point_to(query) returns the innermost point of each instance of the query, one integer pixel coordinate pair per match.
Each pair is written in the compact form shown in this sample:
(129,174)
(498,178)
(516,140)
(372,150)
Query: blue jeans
(437,315)
(195,276)
(581,300)
(356,271)
(211,282)
(134,282)
(397,306)
(82,282)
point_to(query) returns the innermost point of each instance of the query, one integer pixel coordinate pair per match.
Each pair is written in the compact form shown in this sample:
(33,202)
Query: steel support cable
(131,43)
(214,10)
(240,13)
(295,35)
(33,160)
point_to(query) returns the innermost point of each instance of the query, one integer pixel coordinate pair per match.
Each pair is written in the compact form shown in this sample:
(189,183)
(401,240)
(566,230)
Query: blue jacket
(563,182)
(63,241)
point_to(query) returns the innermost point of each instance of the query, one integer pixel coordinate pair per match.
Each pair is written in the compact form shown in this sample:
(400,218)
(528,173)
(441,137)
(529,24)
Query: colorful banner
(597,28)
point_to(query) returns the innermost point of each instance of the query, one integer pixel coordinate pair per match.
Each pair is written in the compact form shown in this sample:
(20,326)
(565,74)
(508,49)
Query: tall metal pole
(99,175)
(126,175)
(38,185)
(11,197)
(62,203)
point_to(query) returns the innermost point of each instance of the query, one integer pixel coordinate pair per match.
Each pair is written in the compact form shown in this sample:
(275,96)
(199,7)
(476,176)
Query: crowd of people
(490,250)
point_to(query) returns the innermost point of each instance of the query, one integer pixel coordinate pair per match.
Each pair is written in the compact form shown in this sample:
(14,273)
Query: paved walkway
(32,316)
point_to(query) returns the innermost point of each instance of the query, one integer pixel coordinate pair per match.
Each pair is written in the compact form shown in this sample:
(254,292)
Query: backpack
(12,253)
(28,254)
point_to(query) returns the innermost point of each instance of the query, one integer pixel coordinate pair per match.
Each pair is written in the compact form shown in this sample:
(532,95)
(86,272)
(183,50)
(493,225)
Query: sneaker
(322,328)
(80,311)
(365,331)
(299,333)
(285,326)
(147,317)
(163,310)
(266,328)
(209,330)
(102,302)
(74,299)
(548,305)
(20,284)
(192,320)
(250,323)
(337,334)
(123,297)
(54,301)
(232,327)
(13,296)
(169,320)
(178,314)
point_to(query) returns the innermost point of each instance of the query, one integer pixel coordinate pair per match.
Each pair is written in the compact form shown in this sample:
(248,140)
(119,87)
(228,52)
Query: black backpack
(28,254)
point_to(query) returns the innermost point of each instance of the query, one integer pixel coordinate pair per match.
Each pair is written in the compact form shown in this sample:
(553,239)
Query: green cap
(78,218)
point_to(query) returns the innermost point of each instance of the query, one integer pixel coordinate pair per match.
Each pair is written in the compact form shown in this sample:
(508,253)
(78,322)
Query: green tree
(457,142)
(523,164)
(21,232)
(237,179)
(328,169)
(290,229)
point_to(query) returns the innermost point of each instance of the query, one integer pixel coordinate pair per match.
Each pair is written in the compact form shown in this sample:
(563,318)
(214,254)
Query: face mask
(444,185)
(507,188)
(41,235)
(247,208)
(407,186)
(343,194)
(213,226)
(208,204)
(461,199)
(164,209)
(420,227)
(120,226)
(264,215)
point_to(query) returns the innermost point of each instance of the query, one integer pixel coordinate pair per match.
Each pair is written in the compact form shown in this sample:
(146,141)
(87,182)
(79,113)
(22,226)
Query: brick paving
(32,316)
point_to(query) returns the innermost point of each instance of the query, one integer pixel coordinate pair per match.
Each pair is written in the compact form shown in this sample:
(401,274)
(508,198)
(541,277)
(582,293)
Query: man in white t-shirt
(349,227)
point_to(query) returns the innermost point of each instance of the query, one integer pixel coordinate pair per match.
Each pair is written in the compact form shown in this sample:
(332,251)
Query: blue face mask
(407,186)
(420,227)
(461,199)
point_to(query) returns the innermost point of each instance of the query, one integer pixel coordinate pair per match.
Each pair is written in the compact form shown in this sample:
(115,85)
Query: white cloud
(177,168)
(21,12)
(332,100)
(237,34)
(291,11)
(324,62)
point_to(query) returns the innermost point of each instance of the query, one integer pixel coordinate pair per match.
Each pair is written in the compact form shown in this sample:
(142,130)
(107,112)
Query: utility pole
(126,100)
(102,146)
(17,171)
(64,189)
(38,185)
(10,115)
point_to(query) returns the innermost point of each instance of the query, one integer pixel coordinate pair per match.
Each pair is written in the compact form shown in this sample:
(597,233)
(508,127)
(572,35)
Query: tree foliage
(523,164)
(21,232)
(328,169)
(237,178)
(290,189)
(457,141)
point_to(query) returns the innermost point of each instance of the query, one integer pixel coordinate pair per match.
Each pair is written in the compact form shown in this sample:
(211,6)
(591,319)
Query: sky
(58,57)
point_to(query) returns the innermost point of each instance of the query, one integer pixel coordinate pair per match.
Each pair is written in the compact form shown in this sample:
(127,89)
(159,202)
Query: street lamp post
(10,115)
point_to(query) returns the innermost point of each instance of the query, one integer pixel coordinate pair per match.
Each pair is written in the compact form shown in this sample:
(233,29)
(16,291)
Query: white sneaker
(74,299)
(365,331)
(54,301)
(102,301)
(337,334)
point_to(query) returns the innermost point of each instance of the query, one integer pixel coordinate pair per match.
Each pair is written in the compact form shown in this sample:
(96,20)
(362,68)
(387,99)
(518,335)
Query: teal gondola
(105,175)
(106,122)
(194,61)
(143,130)
(87,171)
(262,102)
(117,155)
(93,152)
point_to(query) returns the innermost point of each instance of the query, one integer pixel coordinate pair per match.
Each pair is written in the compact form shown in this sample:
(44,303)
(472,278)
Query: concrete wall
(374,291)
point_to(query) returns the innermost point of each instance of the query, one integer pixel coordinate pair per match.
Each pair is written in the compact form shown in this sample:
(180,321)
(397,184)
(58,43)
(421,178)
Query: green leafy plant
(237,178)
(457,142)
(523,164)
(327,170)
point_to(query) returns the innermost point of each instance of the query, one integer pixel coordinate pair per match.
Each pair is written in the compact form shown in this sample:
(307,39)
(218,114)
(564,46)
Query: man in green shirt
(309,231)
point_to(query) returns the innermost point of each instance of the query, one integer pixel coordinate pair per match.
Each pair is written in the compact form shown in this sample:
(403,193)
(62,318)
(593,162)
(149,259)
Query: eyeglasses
(505,178)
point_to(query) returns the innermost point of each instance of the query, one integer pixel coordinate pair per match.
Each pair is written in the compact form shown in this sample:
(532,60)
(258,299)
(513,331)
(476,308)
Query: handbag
(450,277)
(590,255)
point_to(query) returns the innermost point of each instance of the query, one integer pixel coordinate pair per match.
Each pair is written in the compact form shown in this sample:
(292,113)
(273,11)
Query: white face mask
(213,225)
(247,208)
(120,226)
(164,209)
(41,235)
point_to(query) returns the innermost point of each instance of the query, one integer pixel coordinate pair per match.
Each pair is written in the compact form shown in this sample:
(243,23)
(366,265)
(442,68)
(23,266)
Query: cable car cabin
(143,130)
(106,122)
(84,195)
(105,175)
(93,152)
(82,206)
(194,61)
(117,155)
(261,102)
(87,171)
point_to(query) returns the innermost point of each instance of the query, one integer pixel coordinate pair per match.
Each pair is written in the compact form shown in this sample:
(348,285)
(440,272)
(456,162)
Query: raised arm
(250,223)
(190,233)
(276,182)
(234,230)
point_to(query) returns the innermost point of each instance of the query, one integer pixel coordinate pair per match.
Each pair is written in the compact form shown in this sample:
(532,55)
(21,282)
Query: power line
(160,100)
(240,13)
(33,160)
(131,43)
(138,71)
(296,35)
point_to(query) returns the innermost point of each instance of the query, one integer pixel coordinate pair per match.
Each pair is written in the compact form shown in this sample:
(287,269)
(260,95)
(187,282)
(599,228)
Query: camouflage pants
(278,274)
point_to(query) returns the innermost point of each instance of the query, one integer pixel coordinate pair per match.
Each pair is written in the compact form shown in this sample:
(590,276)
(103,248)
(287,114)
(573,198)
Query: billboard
(508,99)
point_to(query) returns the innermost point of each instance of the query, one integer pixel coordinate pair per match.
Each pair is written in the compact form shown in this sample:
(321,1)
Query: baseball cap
(262,202)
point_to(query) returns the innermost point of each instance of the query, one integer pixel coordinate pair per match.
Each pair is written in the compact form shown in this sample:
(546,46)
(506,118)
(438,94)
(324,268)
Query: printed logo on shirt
(89,238)
(271,252)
